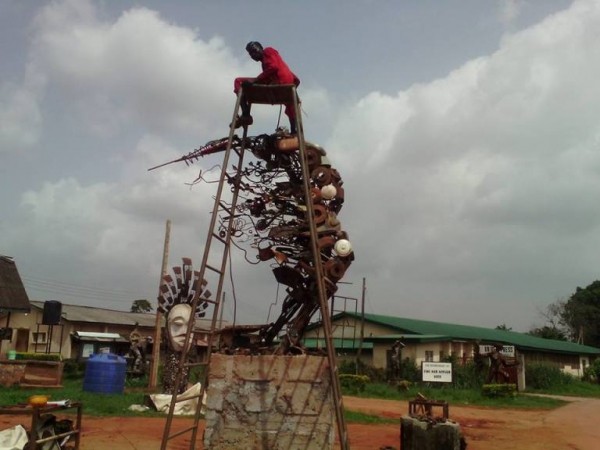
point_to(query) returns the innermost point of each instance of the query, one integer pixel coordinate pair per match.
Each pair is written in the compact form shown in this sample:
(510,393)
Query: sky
(466,132)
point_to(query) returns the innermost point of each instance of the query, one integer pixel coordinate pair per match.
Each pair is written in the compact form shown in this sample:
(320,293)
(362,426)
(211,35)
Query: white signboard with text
(440,372)
(507,350)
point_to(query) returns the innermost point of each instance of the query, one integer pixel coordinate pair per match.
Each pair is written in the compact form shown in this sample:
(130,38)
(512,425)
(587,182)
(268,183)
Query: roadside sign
(507,350)
(438,372)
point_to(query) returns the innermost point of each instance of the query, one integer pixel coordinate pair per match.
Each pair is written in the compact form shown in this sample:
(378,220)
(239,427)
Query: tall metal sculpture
(271,219)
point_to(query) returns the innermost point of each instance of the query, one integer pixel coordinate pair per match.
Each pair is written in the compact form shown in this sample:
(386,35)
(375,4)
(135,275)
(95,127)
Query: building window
(39,338)
(429,355)
(441,355)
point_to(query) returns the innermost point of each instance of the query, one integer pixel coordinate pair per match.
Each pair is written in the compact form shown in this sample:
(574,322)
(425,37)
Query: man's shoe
(243,121)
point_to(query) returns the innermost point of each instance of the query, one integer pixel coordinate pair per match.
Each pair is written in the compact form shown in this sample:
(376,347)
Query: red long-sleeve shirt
(275,70)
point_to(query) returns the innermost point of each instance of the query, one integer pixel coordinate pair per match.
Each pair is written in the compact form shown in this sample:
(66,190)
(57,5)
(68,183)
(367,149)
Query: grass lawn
(94,404)
(460,397)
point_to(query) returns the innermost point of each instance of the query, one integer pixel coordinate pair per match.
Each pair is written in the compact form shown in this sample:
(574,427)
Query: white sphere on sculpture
(343,247)
(328,191)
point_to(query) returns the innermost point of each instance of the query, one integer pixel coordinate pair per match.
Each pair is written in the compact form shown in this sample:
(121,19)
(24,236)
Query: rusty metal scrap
(271,218)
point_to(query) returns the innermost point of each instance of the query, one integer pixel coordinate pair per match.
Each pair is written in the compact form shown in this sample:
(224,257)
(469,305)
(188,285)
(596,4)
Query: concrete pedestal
(269,402)
(417,434)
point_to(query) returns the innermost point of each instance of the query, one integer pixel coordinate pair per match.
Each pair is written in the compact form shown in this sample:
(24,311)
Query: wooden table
(36,412)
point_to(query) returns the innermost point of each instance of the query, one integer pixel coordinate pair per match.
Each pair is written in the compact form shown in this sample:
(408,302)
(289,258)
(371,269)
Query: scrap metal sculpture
(271,219)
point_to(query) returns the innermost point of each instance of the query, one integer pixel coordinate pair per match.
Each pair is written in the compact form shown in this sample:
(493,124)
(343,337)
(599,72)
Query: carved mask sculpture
(177,323)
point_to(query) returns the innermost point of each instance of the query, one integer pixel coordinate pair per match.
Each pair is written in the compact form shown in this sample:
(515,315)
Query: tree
(503,327)
(548,332)
(141,306)
(581,313)
(555,327)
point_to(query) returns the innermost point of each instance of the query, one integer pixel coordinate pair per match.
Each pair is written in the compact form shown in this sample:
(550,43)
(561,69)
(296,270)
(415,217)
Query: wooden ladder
(254,94)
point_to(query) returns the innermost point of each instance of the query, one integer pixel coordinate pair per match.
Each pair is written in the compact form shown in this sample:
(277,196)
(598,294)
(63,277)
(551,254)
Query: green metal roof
(409,338)
(338,343)
(466,332)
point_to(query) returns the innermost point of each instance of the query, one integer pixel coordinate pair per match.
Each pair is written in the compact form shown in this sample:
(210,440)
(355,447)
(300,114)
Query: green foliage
(38,356)
(409,371)
(546,377)
(73,369)
(467,376)
(94,404)
(456,396)
(141,306)
(353,384)
(581,313)
(350,367)
(592,372)
(359,417)
(499,390)
(548,332)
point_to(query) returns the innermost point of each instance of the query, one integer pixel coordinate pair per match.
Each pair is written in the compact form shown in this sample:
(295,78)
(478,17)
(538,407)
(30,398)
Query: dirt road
(575,426)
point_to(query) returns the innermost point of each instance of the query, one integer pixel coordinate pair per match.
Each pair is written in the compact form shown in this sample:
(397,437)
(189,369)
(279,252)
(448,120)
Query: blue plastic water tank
(105,373)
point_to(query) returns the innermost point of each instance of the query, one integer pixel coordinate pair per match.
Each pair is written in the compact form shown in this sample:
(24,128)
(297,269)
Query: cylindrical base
(416,434)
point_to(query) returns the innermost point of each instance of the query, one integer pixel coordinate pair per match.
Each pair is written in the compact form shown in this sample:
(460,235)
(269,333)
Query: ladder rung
(195,364)
(225,207)
(179,433)
(187,397)
(219,238)
(214,269)
(208,300)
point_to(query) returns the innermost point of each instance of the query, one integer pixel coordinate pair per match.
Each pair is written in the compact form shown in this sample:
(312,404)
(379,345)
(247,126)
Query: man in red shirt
(274,71)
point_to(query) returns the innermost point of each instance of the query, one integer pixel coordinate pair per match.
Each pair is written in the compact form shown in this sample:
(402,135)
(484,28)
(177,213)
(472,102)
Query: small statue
(396,359)
(498,364)
(136,349)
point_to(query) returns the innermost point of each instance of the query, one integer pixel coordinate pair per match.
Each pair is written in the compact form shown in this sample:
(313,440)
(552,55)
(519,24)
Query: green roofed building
(430,341)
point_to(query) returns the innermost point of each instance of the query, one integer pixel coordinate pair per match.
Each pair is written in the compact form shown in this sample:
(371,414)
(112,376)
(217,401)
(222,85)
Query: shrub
(499,390)
(409,371)
(38,356)
(353,384)
(545,376)
(592,372)
(73,369)
(350,367)
(465,376)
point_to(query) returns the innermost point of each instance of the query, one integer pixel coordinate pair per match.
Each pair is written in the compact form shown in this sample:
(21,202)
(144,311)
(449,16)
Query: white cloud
(468,198)
(496,162)
(138,70)
(508,11)
(20,116)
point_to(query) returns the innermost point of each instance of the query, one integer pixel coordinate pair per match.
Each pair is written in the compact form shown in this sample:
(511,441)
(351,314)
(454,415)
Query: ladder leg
(212,234)
(320,279)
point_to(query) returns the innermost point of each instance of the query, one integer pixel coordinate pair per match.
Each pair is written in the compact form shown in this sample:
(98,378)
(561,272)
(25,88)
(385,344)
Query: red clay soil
(575,426)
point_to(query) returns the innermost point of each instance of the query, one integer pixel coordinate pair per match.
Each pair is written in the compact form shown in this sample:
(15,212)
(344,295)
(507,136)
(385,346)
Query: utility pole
(158,323)
(362,323)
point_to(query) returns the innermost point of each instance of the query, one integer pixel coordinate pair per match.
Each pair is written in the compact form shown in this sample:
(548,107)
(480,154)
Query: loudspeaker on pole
(52,312)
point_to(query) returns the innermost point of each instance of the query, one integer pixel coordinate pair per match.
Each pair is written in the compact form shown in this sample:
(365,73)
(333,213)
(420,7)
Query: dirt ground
(575,426)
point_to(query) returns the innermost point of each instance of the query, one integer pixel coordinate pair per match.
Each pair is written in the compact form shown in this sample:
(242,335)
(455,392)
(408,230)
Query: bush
(38,356)
(544,377)
(409,371)
(592,372)
(349,367)
(73,369)
(465,376)
(353,384)
(499,390)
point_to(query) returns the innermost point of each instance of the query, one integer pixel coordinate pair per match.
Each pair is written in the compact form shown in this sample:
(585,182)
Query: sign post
(436,372)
